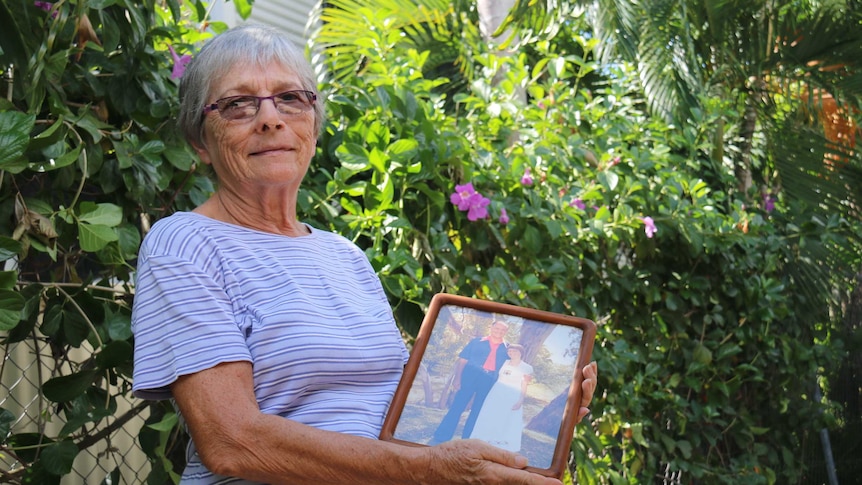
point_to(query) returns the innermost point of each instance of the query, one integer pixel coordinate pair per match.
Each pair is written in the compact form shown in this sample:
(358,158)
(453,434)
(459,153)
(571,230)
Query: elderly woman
(275,339)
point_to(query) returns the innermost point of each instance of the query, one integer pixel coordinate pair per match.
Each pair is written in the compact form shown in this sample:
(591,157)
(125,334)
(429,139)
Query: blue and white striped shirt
(308,312)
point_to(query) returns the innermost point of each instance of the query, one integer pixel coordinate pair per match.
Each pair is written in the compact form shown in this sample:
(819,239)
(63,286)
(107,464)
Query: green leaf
(11,42)
(104,214)
(609,180)
(166,424)
(59,457)
(701,354)
(15,130)
(403,148)
(52,321)
(49,136)
(75,328)
(684,447)
(179,157)
(66,159)
(129,239)
(90,123)
(11,304)
(92,406)
(67,388)
(151,150)
(114,354)
(9,248)
(119,326)
(94,237)
(243,8)
(532,240)
(8,279)
(38,475)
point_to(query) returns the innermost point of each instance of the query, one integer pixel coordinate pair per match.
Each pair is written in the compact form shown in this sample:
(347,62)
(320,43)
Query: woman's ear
(203,152)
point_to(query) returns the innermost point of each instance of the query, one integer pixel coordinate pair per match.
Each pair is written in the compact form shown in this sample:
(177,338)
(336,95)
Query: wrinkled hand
(588,388)
(474,461)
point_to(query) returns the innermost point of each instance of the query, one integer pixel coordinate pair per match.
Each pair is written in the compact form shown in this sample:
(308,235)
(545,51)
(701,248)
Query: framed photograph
(504,374)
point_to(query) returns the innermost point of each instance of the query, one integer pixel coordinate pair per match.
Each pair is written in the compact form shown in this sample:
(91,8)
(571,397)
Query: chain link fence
(109,449)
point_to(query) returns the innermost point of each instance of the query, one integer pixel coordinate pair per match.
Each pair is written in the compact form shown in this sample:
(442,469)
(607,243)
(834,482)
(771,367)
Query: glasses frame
(310,95)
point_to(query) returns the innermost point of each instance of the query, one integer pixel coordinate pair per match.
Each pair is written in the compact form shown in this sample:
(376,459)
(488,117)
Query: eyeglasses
(246,106)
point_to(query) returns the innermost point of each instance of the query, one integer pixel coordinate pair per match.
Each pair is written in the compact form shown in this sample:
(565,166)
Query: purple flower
(464,196)
(504,217)
(46,6)
(467,199)
(527,179)
(578,203)
(180,63)
(649,226)
(768,203)
(479,209)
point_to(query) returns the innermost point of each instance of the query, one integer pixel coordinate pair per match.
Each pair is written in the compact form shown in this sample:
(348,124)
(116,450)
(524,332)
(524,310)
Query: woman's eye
(238,103)
(288,97)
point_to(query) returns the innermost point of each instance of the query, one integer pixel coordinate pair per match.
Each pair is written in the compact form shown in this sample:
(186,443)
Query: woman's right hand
(474,461)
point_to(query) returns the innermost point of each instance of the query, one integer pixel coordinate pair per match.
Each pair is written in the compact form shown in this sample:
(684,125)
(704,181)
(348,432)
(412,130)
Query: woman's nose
(268,115)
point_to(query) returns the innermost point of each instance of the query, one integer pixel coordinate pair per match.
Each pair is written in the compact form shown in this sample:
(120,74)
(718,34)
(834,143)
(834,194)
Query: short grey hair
(248,44)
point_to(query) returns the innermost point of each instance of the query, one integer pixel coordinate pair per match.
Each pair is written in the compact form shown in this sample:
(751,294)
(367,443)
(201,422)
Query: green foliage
(712,332)
(88,157)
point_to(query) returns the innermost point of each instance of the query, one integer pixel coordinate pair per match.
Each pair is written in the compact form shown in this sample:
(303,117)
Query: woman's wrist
(416,462)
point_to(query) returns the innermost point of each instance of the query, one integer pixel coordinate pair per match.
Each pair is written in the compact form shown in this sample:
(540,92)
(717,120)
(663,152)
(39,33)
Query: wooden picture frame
(554,346)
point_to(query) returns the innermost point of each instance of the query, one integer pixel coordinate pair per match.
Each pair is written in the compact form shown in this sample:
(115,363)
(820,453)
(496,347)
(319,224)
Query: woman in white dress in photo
(501,419)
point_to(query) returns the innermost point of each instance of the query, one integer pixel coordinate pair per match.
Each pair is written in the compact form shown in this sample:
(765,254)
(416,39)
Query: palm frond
(345,25)
(434,26)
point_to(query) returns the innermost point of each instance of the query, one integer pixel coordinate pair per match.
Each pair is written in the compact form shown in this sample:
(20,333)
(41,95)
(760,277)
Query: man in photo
(476,371)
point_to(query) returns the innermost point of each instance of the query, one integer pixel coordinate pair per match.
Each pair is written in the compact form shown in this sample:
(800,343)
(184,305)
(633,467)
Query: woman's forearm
(276,450)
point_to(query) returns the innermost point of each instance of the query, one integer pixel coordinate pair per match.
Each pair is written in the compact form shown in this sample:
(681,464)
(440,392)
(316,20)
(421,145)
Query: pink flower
(504,217)
(46,6)
(180,63)
(527,179)
(479,209)
(649,226)
(467,199)
(464,196)
(578,203)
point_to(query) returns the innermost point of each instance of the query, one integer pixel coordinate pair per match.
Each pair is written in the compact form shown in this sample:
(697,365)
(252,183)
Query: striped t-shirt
(308,312)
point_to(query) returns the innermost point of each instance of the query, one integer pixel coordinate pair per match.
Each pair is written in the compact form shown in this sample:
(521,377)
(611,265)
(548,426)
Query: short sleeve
(183,322)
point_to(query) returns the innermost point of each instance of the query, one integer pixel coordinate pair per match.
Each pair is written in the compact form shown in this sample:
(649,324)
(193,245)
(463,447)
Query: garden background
(685,173)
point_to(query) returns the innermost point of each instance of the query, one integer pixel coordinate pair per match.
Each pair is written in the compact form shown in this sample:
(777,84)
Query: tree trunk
(548,420)
(492,13)
(532,337)
(749,127)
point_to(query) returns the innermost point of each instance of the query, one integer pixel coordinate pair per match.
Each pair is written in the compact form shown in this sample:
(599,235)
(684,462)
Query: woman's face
(270,150)
(514,353)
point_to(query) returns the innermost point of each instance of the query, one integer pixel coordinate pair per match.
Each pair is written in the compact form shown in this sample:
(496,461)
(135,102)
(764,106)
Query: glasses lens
(293,102)
(237,107)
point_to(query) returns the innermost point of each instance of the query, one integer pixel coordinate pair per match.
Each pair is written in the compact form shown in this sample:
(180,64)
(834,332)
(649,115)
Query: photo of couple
(499,378)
